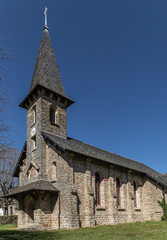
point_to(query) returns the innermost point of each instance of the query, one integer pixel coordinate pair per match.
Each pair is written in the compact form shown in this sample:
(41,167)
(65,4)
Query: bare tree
(8,160)
(5,57)
(4,128)
(8,155)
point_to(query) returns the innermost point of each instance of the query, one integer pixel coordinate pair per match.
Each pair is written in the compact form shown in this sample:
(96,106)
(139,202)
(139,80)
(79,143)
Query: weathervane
(45,13)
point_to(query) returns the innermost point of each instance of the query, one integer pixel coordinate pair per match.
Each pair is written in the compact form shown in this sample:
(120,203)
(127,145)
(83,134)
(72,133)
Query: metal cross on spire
(45,13)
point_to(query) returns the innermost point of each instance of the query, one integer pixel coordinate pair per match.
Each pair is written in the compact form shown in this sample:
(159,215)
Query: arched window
(29,207)
(97,188)
(34,115)
(118,186)
(54,115)
(54,171)
(135,196)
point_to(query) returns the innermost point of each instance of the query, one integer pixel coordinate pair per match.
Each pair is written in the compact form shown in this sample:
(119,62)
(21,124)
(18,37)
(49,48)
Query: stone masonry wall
(34,154)
(38,154)
(76,182)
(75,178)
(63,182)
(152,193)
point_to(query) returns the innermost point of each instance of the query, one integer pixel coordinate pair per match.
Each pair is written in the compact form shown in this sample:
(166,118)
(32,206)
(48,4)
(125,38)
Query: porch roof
(40,185)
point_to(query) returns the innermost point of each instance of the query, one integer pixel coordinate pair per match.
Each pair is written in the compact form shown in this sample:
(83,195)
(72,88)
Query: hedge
(8,219)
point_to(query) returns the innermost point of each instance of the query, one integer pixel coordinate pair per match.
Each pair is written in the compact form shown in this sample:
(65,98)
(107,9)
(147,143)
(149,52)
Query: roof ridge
(106,151)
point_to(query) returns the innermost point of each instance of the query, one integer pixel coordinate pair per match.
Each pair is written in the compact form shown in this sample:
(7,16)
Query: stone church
(65,183)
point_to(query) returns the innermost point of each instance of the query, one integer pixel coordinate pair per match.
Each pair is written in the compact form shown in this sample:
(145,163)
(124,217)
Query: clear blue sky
(112,56)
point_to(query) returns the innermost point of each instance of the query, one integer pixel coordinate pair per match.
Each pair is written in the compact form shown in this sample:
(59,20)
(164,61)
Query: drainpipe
(59,210)
(164,203)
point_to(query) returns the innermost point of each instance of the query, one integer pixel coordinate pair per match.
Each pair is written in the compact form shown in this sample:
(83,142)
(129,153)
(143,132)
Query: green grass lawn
(145,231)
(8,227)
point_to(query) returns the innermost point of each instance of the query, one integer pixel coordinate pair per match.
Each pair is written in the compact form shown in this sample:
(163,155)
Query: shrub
(164,207)
(8,219)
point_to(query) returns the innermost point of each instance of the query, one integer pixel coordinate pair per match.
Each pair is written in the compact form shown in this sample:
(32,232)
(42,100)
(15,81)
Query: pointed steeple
(46,81)
(46,77)
(46,72)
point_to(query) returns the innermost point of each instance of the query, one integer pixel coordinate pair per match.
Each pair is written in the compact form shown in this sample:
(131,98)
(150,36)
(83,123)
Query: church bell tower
(46,103)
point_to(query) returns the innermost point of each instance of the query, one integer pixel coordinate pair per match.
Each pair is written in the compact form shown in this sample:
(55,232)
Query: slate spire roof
(46,72)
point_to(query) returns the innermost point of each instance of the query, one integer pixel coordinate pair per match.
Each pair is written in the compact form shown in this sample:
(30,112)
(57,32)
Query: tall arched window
(118,186)
(54,115)
(34,115)
(135,196)
(54,171)
(97,188)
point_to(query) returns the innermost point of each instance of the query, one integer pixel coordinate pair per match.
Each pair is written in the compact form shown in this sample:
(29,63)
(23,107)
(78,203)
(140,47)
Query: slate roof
(40,185)
(46,72)
(102,155)
(165,176)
